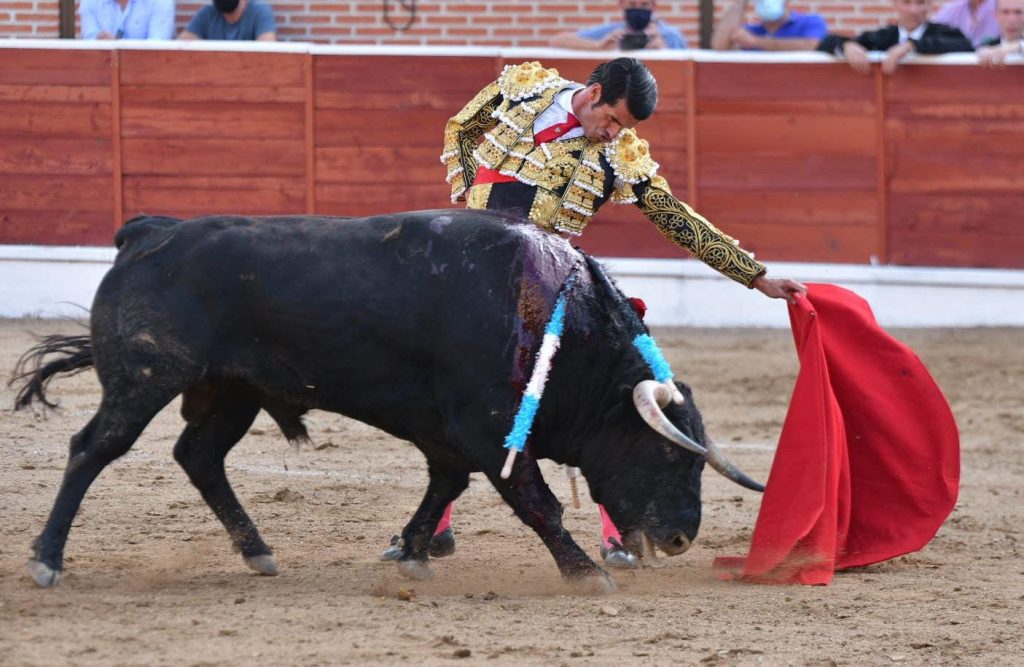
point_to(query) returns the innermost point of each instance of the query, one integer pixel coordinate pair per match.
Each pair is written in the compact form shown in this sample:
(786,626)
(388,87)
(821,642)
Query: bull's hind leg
(444,487)
(109,434)
(537,507)
(219,413)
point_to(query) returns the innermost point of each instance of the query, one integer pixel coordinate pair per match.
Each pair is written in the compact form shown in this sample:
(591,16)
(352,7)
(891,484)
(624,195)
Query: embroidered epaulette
(630,157)
(518,82)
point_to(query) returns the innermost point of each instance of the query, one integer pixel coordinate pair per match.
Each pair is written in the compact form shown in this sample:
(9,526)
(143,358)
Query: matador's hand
(779,288)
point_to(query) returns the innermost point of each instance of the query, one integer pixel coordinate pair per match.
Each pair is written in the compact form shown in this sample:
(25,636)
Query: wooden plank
(772,242)
(836,226)
(741,135)
(785,171)
(64,94)
(414,80)
(624,232)
(201,120)
(957,230)
(55,119)
(32,191)
(355,128)
(780,82)
(55,67)
(189,196)
(826,107)
(955,250)
(64,225)
(309,127)
(963,110)
(792,207)
(375,198)
(216,70)
(923,86)
(966,155)
(57,156)
(115,149)
(189,94)
(214,157)
(397,165)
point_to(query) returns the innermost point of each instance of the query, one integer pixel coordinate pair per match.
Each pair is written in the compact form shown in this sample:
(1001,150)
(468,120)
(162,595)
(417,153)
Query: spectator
(1011,34)
(233,19)
(976,19)
(912,33)
(127,19)
(638,30)
(779,29)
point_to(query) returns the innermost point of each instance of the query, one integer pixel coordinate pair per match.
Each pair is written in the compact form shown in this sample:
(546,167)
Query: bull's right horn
(650,397)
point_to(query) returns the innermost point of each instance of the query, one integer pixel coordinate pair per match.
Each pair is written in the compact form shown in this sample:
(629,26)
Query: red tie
(555,132)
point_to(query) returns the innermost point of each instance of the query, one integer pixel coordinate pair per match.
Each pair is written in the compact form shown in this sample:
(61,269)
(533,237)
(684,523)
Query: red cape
(868,462)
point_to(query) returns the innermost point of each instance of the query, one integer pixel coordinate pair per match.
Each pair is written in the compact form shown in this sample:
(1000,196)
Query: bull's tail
(34,371)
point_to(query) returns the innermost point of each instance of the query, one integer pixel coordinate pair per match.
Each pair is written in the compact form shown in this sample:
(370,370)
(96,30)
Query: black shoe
(442,544)
(618,556)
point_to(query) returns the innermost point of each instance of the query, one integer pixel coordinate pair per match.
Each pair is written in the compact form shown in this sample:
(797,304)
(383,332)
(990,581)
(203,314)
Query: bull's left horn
(650,397)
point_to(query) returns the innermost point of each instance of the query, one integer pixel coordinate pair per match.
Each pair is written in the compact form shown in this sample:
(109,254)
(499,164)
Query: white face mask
(770,10)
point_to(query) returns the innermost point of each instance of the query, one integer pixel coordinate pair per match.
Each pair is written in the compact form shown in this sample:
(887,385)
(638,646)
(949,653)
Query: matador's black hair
(630,79)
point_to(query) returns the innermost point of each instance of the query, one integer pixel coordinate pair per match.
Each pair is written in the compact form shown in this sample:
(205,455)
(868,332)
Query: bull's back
(309,302)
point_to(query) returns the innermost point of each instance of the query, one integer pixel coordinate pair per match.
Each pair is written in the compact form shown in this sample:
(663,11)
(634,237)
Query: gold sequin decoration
(630,157)
(518,82)
(461,135)
(479,195)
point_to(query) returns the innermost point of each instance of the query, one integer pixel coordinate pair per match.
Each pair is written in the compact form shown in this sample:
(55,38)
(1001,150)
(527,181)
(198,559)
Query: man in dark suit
(912,33)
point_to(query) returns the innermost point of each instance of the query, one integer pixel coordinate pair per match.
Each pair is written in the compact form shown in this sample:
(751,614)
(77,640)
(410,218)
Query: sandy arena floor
(151,579)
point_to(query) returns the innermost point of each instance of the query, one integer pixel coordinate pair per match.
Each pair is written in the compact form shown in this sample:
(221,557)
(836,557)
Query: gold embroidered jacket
(560,185)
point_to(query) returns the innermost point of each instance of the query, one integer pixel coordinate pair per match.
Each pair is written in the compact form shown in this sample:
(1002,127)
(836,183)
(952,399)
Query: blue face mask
(637,19)
(770,10)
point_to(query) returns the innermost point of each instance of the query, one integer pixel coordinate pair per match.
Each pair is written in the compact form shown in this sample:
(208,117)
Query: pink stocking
(446,520)
(608,529)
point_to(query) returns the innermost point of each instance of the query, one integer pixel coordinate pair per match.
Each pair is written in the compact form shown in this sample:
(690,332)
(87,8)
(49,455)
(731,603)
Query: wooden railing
(799,157)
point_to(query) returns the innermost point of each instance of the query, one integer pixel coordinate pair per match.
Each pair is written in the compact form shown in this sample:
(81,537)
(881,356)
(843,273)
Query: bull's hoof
(598,583)
(617,556)
(442,544)
(264,564)
(413,569)
(42,574)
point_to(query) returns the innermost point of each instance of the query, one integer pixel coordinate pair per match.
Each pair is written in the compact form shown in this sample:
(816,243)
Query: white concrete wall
(57,281)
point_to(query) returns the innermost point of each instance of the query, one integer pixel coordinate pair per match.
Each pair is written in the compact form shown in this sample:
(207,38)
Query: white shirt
(558,113)
(916,34)
(140,19)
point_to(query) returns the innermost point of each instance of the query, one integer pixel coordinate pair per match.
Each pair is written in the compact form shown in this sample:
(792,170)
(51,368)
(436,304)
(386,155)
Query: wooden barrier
(803,161)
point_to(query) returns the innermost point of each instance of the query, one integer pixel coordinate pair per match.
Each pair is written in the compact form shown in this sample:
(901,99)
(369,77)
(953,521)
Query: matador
(555,151)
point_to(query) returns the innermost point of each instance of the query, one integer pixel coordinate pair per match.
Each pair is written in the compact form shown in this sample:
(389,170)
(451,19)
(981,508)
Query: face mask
(637,19)
(770,10)
(226,6)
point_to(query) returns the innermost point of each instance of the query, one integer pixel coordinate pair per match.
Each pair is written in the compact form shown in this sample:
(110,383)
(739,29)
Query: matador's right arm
(461,135)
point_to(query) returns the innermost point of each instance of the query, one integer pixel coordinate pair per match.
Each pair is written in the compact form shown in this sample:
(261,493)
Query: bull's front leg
(444,487)
(533,502)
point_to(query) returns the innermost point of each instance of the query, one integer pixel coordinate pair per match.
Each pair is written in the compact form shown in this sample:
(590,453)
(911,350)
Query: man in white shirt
(127,19)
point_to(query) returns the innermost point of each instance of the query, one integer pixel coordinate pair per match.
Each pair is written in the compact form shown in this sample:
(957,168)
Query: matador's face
(601,122)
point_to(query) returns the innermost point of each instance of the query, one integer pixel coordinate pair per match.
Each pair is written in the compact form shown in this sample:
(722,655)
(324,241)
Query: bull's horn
(650,397)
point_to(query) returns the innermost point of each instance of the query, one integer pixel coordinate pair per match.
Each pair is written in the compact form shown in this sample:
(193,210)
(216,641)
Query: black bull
(423,324)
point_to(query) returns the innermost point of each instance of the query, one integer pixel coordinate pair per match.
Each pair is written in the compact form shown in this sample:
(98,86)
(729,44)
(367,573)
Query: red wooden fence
(801,161)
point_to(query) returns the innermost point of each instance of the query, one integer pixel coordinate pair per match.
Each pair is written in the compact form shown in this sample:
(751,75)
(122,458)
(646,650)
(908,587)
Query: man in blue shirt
(778,29)
(127,19)
(233,20)
(638,30)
